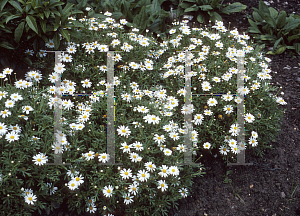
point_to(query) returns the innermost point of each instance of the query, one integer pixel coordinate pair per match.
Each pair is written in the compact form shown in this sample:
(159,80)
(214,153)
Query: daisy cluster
(156,98)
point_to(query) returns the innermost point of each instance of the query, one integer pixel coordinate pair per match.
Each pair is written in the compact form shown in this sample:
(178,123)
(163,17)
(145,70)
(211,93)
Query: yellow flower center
(143,175)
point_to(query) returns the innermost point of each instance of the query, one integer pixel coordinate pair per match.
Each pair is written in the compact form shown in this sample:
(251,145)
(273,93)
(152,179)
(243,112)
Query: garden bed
(264,188)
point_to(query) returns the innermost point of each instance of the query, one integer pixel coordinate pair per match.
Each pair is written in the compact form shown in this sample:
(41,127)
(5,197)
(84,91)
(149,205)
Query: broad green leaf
(235,7)
(6,45)
(290,47)
(281,19)
(19,31)
(55,4)
(297,47)
(193,8)
(200,18)
(43,25)
(67,8)
(215,16)
(65,34)
(214,3)
(273,12)
(41,15)
(270,20)
(126,9)
(263,8)
(33,4)
(11,17)
(2,4)
(16,5)
(281,50)
(155,6)
(47,13)
(277,42)
(185,5)
(271,52)
(32,23)
(56,40)
(155,26)
(77,24)
(206,7)
(117,15)
(253,28)
(100,16)
(77,12)
(293,37)
(55,12)
(194,1)
(267,37)
(257,17)
(292,25)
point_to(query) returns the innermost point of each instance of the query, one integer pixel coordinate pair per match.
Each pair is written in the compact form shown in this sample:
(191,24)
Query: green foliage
(206,10)
(275,29)
(24,24)
(144,14)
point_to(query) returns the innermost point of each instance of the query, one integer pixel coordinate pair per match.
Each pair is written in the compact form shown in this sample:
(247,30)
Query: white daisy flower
(30,199)
(107,191)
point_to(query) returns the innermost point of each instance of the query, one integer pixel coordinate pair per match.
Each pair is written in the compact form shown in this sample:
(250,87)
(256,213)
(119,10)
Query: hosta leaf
(293,37)
(273,12)
(277,42)
(270,20)
(297,47)
(257,17)
(281,19)
(292,25)
(267,37)
(215,16)
(253,28)
(280,50)
(206,7)
(200,18)
(263,8)
(235,7)
(193,8)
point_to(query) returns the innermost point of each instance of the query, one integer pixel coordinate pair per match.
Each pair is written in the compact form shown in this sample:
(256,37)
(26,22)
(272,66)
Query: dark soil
(266,187)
